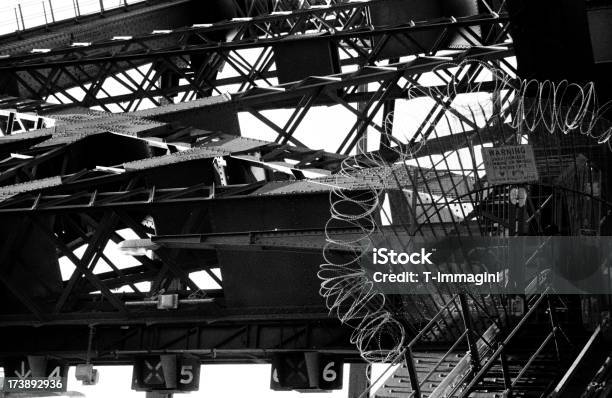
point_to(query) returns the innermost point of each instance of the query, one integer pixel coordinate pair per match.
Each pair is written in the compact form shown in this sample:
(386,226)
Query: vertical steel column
(412,373)
(414,225)
(553,324)
(467,323)
(359,379)
(21,16)
(388,117)
(506,375)
(362,144)
(51,10)
(16,18)
(77,10)
(9,124)
(45,12)
(517,227)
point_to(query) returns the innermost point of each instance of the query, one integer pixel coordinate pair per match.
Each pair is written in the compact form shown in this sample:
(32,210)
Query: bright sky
(227,381)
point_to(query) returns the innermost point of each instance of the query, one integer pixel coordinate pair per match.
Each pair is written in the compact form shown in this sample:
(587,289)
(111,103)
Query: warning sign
(510,164)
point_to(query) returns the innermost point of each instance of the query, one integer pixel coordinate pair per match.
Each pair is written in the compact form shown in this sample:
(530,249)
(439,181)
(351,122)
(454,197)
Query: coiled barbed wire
(562,107)
(378,333)
(345,286)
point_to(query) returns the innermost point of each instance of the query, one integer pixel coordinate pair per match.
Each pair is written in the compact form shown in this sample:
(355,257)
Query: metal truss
(114,209)
(19,115)
(191,58)
(79,304)
(249,8)
(67,206)
(15,122)
(91,205)
(22,155)
(52,24)
(75,305)
(253,341)
(394,81)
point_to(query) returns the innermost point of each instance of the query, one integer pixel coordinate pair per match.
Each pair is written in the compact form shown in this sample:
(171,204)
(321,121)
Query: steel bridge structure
(145,124)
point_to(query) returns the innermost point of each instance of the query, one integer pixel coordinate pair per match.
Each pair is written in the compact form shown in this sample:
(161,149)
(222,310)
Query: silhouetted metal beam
(226,341)
(39,74)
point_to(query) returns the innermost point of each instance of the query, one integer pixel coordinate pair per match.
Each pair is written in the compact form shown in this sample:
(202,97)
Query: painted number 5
(186,374)
(329,374)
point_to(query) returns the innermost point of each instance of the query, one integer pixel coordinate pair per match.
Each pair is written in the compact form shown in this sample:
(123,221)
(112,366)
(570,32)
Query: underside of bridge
(192,182)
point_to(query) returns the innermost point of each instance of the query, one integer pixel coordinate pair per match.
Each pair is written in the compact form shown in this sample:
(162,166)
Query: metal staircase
(431,367)
(523,355)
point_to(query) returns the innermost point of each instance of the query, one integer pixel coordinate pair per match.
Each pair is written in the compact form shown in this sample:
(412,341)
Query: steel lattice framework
(192,57)
(173,168)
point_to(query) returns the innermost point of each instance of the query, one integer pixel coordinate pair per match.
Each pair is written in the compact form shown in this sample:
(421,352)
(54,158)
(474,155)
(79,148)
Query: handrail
(430,324)
(534,356)
(420,381)
(502,346)
(435,367)
(570,372)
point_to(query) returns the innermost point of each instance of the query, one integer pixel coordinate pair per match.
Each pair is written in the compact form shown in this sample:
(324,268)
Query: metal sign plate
(513,164)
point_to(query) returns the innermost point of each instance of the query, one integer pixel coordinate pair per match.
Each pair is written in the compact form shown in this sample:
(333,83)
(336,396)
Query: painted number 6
(329,374)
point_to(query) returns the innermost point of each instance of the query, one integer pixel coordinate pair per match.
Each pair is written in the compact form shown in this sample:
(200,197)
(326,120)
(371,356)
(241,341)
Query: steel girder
(38,147)
(345,20)
(147,15)
(393,81)
(89,211)
(16,122)
(193,57)
(90,205)
(94,191)
(136,19)
(215,341)
(74,303)
(76,227)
